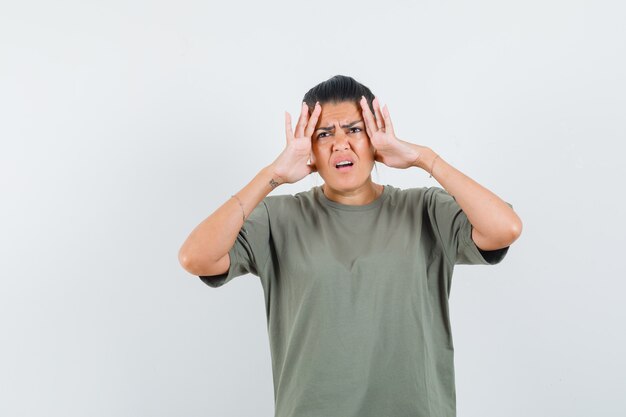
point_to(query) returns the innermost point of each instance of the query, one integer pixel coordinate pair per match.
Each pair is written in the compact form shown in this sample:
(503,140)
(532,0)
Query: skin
(354,187)
(494,224)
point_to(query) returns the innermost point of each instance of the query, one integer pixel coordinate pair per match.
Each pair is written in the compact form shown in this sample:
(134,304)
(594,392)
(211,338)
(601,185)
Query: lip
(345,169)
(335,160)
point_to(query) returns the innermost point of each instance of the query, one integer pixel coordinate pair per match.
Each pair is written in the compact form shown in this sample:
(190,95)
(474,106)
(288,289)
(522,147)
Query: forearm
(212,239)
(488,213)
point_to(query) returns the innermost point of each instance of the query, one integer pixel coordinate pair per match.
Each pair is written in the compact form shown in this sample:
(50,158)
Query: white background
(125,124)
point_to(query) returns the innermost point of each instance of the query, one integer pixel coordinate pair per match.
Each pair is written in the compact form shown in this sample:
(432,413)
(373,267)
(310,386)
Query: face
(340,136)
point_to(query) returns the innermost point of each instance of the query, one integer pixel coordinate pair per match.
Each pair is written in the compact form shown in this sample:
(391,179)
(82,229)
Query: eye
(320,135)
(355,129)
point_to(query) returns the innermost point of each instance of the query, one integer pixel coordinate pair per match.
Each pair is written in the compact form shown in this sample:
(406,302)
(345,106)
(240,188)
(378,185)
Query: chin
(347,184)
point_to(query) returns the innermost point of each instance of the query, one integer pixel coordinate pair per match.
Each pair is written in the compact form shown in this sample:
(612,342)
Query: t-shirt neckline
(348,207)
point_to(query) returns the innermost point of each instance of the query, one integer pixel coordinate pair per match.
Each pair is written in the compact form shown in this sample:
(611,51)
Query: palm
(299,152)
(390,150)
(291,165)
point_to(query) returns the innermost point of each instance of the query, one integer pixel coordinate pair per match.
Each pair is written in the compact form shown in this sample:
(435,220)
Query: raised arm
(205,252)
(495,224)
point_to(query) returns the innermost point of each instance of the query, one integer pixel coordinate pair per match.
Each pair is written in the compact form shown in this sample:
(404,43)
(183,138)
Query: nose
(341,142)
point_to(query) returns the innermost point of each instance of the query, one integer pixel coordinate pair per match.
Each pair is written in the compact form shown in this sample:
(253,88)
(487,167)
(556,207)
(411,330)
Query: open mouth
(344,166)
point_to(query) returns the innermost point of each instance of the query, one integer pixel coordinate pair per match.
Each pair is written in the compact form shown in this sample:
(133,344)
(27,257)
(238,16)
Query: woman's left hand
(390,150)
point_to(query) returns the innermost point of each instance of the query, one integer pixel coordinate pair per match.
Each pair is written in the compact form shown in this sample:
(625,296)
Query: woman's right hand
(291,165)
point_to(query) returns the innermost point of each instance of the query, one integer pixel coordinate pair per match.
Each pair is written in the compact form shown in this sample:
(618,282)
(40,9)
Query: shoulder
(290,202)
(407,195)
(434,194)
(420,198)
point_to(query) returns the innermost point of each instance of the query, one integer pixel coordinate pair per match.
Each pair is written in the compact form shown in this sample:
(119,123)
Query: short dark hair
(338,89)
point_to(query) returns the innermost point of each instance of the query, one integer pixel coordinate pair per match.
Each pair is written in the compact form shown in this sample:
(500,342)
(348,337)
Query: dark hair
(338,89)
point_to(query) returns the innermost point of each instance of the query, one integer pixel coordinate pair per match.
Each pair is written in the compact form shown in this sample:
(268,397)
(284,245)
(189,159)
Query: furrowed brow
(349,125)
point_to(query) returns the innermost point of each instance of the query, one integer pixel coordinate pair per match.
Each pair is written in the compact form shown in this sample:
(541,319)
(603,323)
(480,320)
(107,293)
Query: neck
(357,197)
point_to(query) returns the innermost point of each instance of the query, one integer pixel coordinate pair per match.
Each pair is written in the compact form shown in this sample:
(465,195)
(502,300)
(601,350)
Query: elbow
(509,235)
(514,224)
(185,260)
(500,237)
(198,266)
(515,230)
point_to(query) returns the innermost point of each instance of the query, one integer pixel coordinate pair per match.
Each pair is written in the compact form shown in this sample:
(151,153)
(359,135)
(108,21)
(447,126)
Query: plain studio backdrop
(125,124)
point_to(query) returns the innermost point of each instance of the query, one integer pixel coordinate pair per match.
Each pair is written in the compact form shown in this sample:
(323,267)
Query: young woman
(356,275)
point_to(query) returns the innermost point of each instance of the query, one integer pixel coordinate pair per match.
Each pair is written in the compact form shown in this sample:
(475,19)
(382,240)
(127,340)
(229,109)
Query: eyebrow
(344,126)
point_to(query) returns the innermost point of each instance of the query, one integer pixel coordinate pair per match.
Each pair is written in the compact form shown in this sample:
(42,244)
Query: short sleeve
(250,250)
(454,231)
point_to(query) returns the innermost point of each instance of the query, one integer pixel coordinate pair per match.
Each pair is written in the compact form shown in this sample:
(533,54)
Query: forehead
(342,112)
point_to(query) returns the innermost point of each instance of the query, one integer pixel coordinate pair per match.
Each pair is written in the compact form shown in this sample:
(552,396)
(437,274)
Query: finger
(304,116)
(288,128)
(368,117)
(379,117)
(388,125)
(310,127)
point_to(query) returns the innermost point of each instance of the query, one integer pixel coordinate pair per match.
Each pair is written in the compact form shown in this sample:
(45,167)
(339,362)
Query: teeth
(342,163)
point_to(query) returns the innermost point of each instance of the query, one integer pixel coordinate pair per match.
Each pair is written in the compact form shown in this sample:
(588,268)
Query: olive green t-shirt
(357,299)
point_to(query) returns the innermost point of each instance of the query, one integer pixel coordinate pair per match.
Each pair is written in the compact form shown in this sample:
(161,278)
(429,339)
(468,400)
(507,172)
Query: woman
(356,275)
